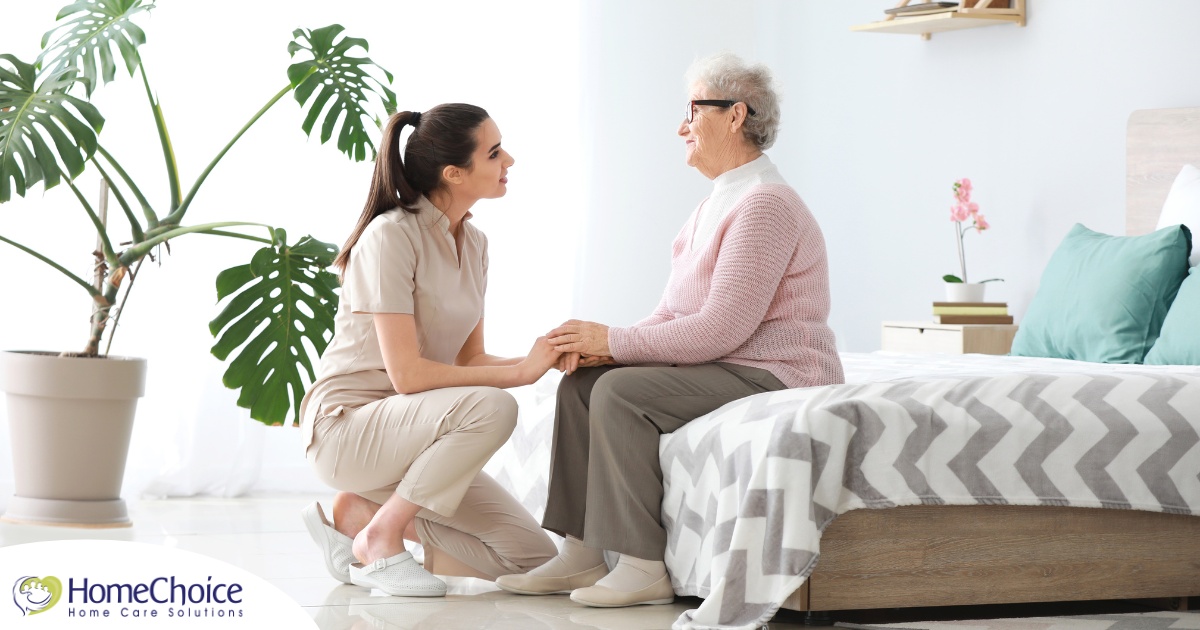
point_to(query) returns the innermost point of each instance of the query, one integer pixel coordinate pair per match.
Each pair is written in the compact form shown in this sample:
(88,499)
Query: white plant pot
(70,419)
(964,291)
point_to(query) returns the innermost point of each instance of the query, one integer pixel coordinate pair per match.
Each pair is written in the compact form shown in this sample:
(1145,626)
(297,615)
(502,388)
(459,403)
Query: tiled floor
(264,535)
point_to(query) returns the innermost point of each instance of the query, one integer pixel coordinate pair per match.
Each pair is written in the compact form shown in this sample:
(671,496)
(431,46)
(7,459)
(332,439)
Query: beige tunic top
(402,263)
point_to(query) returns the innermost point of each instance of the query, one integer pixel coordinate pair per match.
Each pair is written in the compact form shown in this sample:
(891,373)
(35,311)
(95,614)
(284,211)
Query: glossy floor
(264,535)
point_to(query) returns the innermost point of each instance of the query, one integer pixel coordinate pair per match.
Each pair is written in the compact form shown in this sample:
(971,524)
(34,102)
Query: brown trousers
(605,479)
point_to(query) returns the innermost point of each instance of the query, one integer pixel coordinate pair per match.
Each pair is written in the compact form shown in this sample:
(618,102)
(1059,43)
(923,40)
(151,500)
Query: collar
(430,215)
(750,169)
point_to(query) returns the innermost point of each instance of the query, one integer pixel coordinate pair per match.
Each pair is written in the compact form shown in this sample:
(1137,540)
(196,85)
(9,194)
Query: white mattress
(867,367)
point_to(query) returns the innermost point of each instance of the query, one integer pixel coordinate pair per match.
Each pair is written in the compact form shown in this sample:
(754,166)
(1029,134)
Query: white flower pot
(70,419)
(964,291)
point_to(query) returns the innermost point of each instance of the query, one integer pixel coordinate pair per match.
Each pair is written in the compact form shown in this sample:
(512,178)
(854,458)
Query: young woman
(407,406)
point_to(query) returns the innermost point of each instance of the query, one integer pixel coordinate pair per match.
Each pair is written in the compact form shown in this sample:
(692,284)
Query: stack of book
(971,313)
(924,8)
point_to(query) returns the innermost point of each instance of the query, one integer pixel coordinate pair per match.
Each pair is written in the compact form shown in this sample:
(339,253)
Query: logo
(136,586)
(35,595)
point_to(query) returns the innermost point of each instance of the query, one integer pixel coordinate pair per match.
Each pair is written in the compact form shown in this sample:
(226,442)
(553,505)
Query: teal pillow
(1179,342)
(1104,298)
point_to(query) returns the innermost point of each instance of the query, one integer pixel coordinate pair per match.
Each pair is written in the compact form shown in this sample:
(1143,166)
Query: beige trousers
(430,448)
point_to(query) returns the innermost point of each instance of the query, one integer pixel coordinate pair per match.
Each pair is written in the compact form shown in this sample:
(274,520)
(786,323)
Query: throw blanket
(750,487)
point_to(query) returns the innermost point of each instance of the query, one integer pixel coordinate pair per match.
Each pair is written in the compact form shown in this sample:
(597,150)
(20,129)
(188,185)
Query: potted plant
(71,413)
(958,289)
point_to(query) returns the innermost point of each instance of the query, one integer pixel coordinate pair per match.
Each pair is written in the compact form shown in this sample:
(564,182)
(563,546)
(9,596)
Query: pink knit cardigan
(756,294)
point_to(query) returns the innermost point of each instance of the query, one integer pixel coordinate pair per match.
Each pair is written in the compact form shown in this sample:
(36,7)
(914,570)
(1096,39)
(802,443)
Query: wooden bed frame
(956,555)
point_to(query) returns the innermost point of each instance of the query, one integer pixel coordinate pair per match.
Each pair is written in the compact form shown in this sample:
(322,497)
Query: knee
(614,386)
(497,407)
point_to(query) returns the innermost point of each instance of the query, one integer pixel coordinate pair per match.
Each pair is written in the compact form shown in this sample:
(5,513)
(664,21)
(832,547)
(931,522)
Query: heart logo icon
(35,595)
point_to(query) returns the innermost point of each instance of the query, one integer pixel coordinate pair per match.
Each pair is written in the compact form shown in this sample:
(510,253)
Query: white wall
(876,127)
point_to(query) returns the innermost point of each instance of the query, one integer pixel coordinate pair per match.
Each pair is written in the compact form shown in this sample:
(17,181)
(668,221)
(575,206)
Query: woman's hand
(596,361)
(542,356)
(568,362)
(587,338)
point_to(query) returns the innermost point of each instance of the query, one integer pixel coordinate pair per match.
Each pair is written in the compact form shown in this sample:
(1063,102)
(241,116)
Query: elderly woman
(744,312)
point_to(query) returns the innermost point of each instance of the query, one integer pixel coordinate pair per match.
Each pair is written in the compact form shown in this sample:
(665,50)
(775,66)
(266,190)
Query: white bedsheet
(863,367)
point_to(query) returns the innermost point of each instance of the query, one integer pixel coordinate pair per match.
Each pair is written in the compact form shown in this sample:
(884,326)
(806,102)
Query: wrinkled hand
(569,362)
(596,361)
(542,356)
(587,338)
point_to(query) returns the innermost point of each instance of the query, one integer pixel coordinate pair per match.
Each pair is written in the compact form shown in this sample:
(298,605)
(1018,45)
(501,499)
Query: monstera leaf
(35,115)
(284,296)
(95,28)
(342,86)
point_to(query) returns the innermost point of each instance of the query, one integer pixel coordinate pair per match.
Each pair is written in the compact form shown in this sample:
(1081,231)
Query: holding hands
(573,345)
(542,356)
(583,344)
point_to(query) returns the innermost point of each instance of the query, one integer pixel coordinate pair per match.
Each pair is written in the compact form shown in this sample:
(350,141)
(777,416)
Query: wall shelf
(926,25)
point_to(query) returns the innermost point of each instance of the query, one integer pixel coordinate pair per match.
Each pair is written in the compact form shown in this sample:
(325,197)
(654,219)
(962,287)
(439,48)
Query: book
(924,11)
(970,303)
(973,319)
(922,8)
(970,310)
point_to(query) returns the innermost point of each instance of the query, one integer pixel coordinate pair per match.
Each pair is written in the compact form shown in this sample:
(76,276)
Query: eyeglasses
(691,107)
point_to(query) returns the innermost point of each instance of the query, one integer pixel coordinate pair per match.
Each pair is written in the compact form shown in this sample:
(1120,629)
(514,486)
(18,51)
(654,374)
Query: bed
(915,484)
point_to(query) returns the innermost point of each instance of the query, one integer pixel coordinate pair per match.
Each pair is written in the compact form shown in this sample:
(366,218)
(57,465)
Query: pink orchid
(962,190)
(962,211)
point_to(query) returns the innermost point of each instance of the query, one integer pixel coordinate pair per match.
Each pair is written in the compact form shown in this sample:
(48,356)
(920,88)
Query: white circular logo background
(129,585)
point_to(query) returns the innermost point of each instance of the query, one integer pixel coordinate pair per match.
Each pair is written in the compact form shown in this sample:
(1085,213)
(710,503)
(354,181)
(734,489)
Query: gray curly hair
(728,77)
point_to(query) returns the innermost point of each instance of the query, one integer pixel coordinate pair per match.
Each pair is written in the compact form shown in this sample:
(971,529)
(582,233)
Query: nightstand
(924,337)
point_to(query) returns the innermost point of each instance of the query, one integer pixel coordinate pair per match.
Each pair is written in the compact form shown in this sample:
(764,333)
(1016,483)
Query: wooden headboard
(1159,142)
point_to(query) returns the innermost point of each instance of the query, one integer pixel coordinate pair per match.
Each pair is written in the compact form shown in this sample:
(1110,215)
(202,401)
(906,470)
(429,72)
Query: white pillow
(1183,207)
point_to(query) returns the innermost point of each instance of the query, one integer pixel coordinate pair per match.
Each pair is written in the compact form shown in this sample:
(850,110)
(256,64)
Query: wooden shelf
(925,25)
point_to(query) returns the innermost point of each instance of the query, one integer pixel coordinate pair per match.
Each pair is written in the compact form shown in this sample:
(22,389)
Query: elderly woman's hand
(583,337)
(596,361)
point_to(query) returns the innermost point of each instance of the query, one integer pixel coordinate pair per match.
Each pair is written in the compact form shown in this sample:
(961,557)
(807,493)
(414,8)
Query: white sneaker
(398,575)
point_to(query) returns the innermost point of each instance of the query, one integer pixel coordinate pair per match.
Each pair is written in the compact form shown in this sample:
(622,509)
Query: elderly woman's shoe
(599,596)
(576,566)
(633,581)
(535,584)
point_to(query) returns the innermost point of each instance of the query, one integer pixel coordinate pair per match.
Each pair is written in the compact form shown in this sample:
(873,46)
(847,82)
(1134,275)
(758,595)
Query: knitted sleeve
(754,254)
(661,314)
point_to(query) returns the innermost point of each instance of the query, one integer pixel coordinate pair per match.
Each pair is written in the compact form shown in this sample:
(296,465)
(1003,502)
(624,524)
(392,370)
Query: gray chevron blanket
(750,487)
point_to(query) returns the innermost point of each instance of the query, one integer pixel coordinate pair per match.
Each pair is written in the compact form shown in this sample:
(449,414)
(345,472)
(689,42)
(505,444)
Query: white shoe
(398,575)
(597,596)
(335,546)
(525,584)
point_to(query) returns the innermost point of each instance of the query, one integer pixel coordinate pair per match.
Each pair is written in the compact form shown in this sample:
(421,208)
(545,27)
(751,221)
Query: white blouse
(729,188)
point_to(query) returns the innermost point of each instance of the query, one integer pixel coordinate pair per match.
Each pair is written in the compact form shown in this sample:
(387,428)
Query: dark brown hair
(443,136)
